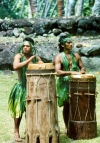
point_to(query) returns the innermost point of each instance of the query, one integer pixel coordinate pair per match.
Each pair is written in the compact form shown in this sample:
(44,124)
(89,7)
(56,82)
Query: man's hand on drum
(77,73)
(82,72)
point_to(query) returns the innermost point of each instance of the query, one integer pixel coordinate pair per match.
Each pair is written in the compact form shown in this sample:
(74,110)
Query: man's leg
(66,115)
(16,129)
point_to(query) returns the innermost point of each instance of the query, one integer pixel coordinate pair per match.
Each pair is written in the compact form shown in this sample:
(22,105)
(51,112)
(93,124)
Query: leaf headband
(33,49)
(64,40)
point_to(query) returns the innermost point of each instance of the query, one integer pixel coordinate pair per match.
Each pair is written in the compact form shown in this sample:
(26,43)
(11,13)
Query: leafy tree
(60,5)
(79,7)
(13,9)
(48,8)
(5,9)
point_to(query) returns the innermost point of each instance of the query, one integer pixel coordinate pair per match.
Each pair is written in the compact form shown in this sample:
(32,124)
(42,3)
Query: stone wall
(84,31)
(74,25)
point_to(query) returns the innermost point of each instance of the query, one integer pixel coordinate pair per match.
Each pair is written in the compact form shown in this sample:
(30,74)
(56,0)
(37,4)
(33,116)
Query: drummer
(16,105)
(66,63)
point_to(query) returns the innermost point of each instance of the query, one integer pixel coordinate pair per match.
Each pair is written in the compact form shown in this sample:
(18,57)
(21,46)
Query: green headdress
(64,40)
(31,42)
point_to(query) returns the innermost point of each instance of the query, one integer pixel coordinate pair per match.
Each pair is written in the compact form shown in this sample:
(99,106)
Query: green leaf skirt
(16,101)
(62,87)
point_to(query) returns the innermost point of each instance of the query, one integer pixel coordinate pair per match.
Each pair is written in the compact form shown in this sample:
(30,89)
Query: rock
(57,31)
(27,30)
(79,46)
(92,50)
(84,33)
(9,33)
(3,33)
(16,32)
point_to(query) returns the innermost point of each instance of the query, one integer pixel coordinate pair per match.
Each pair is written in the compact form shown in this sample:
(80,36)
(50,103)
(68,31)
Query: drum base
(82,129)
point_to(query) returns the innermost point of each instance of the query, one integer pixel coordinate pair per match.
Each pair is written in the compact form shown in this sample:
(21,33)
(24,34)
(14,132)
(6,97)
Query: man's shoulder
(58,56)
(19,55)
(76,54)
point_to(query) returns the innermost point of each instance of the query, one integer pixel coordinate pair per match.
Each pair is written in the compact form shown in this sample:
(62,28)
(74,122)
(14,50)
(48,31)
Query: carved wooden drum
(82,120)
(41,105)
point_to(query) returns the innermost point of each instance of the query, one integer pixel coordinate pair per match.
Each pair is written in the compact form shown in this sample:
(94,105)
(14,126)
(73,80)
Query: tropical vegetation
(15,9)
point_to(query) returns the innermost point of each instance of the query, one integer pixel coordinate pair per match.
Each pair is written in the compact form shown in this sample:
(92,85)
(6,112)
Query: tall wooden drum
(41,105)
(82,120)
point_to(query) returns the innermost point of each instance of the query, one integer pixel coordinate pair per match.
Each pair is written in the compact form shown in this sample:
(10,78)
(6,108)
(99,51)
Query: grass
(6,121)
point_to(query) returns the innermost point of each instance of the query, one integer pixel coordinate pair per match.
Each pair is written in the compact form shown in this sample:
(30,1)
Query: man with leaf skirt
(16,105)
(66,63)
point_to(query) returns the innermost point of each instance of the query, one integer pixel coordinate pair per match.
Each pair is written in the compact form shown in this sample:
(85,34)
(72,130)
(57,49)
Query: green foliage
(15,9)
(87,8)
(7,11)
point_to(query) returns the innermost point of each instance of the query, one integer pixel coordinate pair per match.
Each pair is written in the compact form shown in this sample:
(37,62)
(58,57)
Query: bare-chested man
(66,63)
(16,105)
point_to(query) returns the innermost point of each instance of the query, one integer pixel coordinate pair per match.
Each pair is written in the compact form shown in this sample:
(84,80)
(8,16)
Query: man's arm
(39,60)
(80,63)
(17,64)
(57,63)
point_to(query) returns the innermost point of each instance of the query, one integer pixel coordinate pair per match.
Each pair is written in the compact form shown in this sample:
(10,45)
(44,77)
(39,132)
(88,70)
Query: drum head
(83,76)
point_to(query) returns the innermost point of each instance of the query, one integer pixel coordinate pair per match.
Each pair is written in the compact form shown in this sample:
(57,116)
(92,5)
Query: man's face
(68,45)
(26,47)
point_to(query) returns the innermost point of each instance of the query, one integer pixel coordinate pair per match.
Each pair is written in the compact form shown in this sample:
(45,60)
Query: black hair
(62,37)
(28,39)
(60,42)
(31,42)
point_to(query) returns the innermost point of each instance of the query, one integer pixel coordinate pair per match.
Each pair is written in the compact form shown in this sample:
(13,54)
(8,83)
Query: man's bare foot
(17,137)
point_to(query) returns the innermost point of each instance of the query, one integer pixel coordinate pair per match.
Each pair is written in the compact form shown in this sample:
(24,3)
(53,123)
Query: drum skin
(41,106)
(82,118)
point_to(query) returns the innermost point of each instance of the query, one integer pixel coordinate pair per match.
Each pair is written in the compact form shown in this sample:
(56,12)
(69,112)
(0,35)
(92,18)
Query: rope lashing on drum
(49,102)
(28,137)
(70,113)
(35,88)
(49,134)
(88,109)
(77,101)
(42,74)
(48,94)
(36,100)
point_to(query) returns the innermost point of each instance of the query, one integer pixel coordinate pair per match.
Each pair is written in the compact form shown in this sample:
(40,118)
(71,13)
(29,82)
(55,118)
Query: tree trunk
(33,5)
(60,8)
(29,11)
(79,7)
(72,7)
(96,8)
(22,9)
(67,8)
